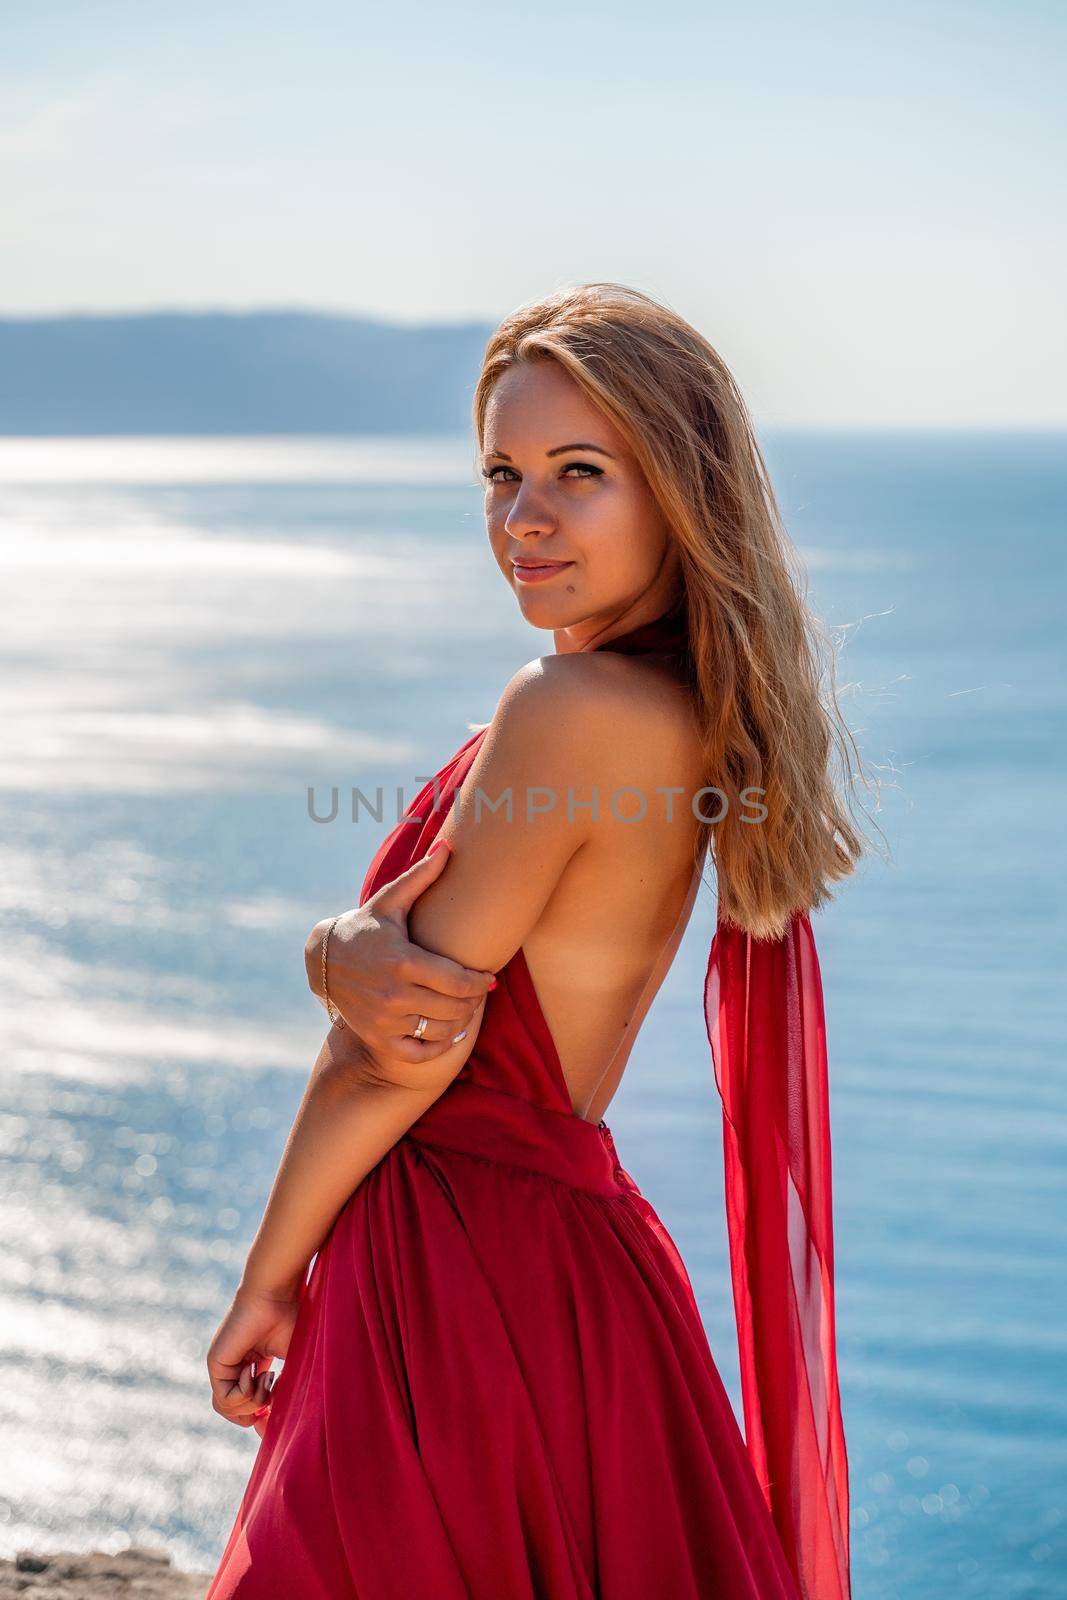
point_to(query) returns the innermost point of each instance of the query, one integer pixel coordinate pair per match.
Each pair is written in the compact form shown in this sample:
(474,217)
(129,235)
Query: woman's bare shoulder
(606,705)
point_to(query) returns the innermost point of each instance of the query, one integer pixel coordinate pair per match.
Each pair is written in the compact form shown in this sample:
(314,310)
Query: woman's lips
(538,571)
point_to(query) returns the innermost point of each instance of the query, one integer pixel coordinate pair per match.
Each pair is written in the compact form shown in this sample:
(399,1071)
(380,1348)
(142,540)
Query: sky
(861,206)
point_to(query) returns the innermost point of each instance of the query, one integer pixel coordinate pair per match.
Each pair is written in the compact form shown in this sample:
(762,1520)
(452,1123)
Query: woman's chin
(550,609)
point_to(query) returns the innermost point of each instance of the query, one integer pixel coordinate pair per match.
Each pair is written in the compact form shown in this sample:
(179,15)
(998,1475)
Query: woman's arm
(350,1117)
(353,1112)
(563,727)
(548,734)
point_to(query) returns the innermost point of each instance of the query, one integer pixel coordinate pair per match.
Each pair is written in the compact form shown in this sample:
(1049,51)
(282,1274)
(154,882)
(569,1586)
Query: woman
(496,1379)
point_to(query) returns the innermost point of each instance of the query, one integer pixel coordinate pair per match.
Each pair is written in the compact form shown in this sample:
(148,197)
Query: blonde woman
(496,1381)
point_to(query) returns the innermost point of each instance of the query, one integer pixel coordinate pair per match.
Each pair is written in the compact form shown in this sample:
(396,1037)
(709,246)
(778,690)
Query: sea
(197,634)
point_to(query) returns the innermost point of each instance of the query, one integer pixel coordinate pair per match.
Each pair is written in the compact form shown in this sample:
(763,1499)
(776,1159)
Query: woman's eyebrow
(560,449)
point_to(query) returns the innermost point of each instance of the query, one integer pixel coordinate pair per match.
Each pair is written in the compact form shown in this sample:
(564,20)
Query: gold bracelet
(331,1010)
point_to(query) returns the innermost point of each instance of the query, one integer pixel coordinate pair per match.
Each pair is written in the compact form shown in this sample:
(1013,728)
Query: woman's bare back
(600,950)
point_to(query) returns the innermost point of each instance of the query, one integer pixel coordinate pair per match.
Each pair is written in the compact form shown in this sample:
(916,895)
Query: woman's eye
(489,473)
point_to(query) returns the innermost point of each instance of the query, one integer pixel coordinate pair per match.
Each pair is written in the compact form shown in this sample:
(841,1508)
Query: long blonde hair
(763,676)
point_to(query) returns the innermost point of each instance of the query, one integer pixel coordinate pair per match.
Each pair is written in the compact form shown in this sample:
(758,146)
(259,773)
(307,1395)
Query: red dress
(499,1385)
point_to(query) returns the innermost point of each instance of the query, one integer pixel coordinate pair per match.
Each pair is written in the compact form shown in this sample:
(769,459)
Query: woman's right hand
(257,1327)
(381,983)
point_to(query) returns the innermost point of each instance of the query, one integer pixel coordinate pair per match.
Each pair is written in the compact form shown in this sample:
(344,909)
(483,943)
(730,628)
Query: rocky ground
(140,1574)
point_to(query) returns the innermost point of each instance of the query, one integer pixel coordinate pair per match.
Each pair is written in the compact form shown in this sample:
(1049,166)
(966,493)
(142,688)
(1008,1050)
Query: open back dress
(499,1386)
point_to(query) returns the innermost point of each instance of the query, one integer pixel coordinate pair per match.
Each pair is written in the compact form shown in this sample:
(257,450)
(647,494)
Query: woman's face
(563,490)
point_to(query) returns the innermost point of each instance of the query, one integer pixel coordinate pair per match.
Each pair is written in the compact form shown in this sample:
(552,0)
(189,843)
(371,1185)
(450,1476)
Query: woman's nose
(528,514)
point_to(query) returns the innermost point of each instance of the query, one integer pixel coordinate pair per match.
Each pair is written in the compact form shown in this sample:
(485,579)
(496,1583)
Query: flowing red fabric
(763,1006)
(499,1383)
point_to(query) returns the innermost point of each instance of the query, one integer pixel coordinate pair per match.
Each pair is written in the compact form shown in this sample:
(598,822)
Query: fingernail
(493,984)
(438,844)
(457,1037)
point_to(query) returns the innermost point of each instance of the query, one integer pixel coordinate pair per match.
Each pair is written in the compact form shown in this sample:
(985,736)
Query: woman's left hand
(256,1328)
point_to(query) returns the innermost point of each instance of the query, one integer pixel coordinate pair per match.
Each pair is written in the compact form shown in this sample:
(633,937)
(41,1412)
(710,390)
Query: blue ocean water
(195,632)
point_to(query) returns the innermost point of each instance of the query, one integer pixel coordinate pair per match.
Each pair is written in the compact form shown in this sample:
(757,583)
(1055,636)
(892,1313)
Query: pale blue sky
(860,205)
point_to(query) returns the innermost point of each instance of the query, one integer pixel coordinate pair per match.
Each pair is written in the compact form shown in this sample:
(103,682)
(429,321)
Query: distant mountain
(235,372)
